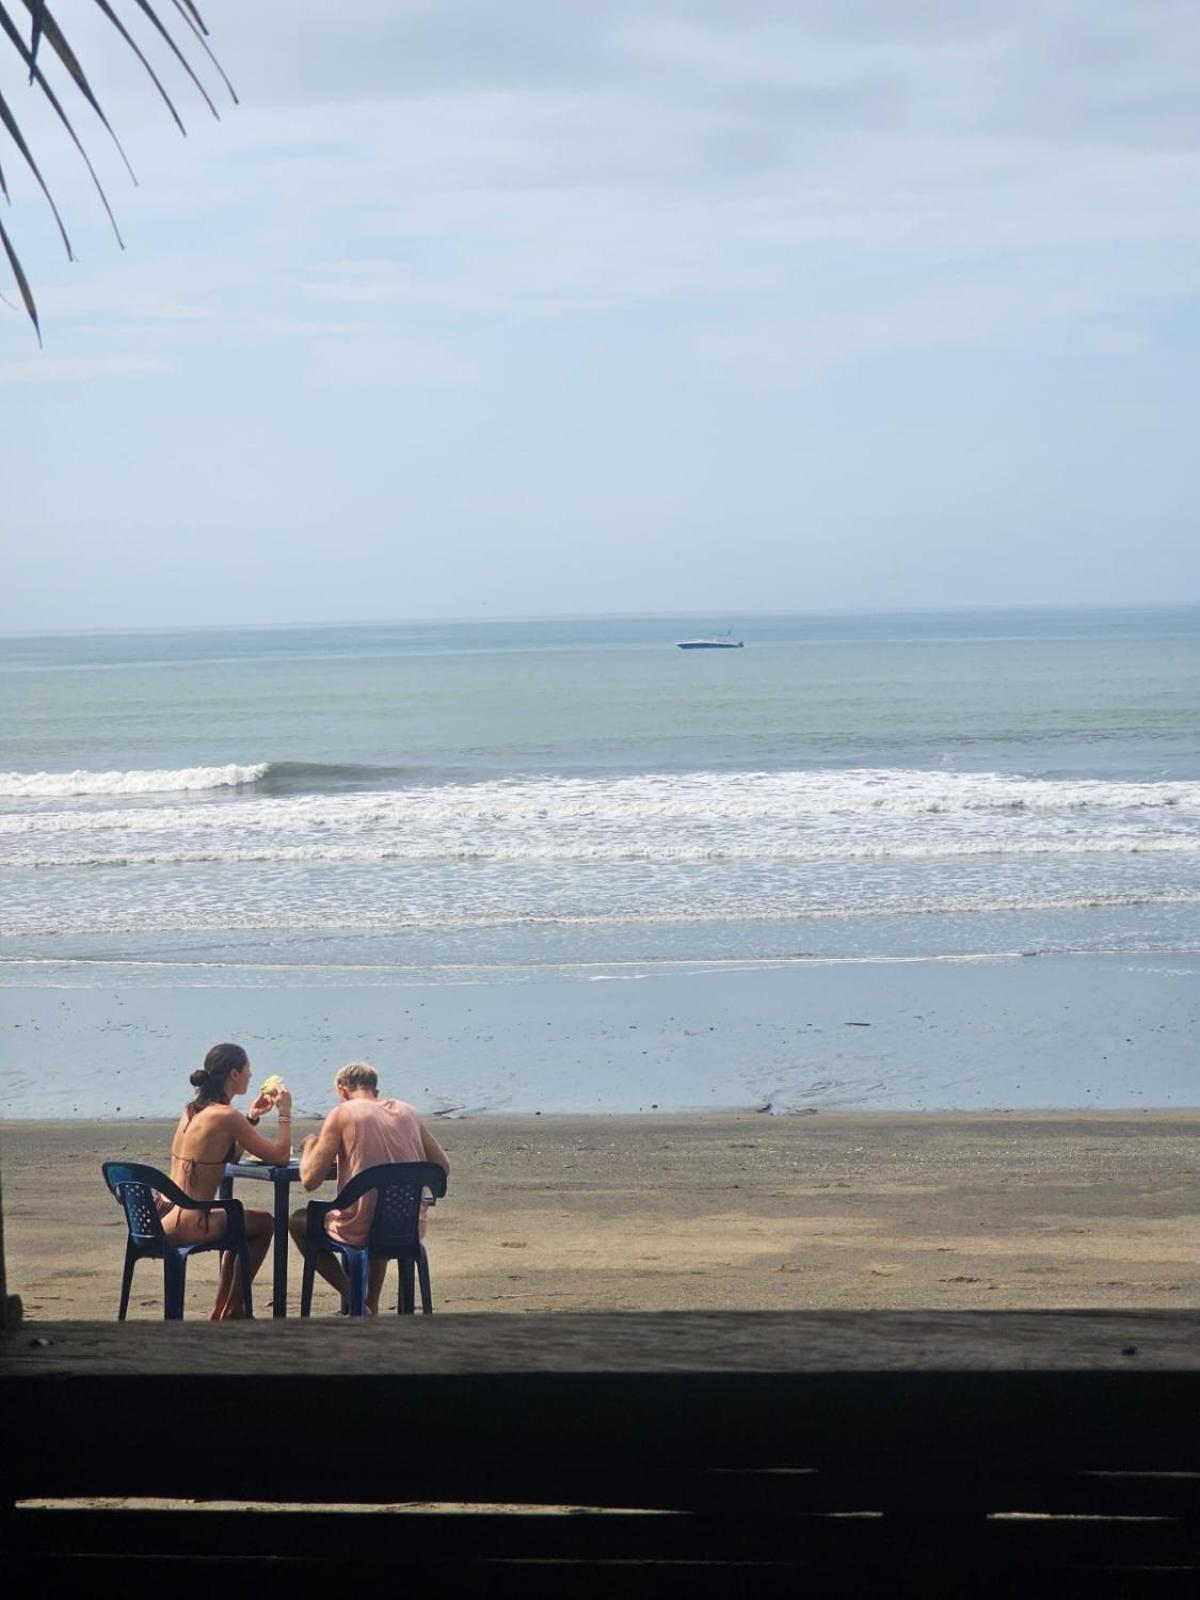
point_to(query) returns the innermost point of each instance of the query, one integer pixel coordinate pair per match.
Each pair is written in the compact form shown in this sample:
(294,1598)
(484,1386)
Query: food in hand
(271,1086)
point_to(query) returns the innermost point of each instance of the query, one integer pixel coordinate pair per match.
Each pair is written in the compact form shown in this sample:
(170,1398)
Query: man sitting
(361,1131)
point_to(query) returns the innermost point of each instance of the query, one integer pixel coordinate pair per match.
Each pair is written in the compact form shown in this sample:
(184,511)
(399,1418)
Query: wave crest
(54,785)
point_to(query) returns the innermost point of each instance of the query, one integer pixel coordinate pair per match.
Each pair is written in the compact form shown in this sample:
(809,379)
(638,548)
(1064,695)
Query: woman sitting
(209,1133)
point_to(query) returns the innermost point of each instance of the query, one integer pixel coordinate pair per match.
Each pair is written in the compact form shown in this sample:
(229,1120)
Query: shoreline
(979,1210)
(1109,1032)
(716,1115)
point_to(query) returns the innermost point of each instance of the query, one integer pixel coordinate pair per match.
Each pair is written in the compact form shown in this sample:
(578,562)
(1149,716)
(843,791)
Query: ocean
(487,852)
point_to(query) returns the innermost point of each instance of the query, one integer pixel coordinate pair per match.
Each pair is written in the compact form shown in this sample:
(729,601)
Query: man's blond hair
(357,1075)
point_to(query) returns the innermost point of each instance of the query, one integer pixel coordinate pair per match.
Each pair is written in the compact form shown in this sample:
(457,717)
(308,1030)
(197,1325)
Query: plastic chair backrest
(135,1187)
(398,1187)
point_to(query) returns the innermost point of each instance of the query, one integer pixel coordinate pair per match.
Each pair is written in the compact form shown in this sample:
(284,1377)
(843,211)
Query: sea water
(498,820)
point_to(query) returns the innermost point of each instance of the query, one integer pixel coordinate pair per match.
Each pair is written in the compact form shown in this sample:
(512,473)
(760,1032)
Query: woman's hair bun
(222,1060)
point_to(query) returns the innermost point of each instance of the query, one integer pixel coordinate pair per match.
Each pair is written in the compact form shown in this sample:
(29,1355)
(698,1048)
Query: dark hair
(209,1080)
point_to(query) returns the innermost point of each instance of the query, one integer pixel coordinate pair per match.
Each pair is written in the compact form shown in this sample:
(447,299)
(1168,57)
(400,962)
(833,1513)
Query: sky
(683,305)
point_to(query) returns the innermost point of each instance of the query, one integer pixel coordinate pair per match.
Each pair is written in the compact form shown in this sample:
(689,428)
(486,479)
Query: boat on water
(720,641)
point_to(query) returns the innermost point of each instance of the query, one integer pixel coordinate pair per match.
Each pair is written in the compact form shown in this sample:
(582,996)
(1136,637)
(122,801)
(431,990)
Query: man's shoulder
(364,1107)
(391,1103)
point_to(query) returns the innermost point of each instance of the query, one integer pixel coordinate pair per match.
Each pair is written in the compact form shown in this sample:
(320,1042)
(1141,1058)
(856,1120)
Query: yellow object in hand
(272,1085)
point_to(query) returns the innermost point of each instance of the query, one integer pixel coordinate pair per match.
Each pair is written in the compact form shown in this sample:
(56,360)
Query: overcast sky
(479,307)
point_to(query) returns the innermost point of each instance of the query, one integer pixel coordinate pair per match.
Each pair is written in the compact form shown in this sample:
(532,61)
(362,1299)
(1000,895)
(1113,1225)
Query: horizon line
(961,608)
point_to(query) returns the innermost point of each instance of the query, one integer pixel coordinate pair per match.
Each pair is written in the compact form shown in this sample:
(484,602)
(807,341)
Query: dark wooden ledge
(946,1431)
(657,1342)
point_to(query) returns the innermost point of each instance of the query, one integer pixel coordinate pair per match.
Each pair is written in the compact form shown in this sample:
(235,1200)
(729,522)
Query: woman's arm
(275,1152)
(262,1104)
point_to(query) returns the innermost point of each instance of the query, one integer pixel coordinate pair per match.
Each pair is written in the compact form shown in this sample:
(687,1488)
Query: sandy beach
(997,1211)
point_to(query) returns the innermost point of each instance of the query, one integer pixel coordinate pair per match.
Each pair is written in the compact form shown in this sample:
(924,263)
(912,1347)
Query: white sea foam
(615,851)
(50,785)
(859,797)
(704,844)
(305,917)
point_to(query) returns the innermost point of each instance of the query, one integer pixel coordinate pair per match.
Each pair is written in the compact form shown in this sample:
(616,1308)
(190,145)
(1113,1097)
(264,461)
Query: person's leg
(183,1226)
(260,1227)
(376,1271)
(327,1264)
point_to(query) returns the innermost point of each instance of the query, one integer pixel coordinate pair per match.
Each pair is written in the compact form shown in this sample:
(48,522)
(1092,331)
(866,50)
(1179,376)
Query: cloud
(531,161)
(50,369)
(626,256)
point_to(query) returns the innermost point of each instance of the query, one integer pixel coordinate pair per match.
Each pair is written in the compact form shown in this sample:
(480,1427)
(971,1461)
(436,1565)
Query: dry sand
(646,1213)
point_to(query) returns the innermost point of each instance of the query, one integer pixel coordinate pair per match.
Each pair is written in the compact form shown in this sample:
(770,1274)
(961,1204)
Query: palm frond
(196,23)
(133,45)
(44,30)
(48,28)
(9,123)
(38,9)
(37,76)
(150,12)
(22,280)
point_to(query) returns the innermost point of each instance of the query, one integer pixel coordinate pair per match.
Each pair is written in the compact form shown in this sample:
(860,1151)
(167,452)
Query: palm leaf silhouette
(45,36)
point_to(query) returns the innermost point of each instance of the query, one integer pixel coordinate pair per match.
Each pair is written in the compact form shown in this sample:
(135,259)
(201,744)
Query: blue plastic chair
(135,1188)
(394,1234)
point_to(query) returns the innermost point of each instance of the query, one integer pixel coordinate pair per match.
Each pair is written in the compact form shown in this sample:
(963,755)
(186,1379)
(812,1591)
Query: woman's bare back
(200,1148)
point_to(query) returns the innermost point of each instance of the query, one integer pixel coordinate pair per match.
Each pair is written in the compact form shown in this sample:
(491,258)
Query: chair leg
(243,1256)
(356,1272)
(306,1283)
(405,1304)
(423,1274)
(126,1280)
(174,1284)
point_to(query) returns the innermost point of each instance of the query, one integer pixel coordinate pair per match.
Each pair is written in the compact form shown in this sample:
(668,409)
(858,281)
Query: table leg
(279,1296)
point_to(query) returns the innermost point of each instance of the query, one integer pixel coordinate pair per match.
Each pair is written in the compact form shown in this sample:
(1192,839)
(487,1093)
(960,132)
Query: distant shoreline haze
(484,616)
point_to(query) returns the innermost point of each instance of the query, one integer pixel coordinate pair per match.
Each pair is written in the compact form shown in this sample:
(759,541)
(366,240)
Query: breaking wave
(330,794)
(310,846)
(65,785)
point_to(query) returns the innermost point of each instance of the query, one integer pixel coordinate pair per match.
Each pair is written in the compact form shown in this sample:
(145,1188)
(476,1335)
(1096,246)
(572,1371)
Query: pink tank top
(383,1130)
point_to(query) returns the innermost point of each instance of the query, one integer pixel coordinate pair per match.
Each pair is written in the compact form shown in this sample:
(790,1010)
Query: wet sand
(1003,1210)
(688,1038)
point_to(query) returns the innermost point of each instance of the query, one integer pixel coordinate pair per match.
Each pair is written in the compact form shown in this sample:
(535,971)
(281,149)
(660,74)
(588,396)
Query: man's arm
(320,1150)
(434,1151)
